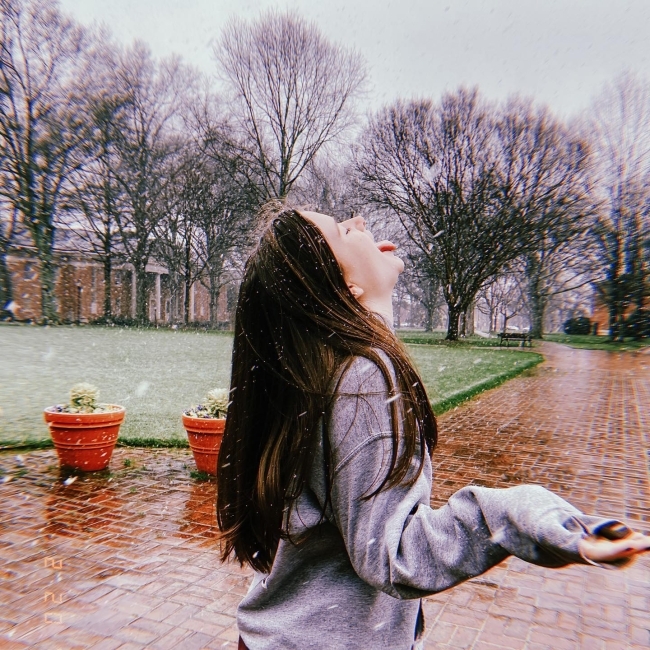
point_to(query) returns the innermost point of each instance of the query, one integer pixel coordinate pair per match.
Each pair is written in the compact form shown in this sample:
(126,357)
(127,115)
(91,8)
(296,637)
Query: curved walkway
(128,559)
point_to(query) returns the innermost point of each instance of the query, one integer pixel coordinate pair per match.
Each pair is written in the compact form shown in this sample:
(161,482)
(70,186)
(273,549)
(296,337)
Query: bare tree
(8,217)
(209,220)
(7,227)
(502,298)
(176,234)
(422,286)
(147,146)
(96,192)
(543,178)
(566,305)
(293,92)
(619,128)
(43,129)
(418,284)
(434,167)
(327,186)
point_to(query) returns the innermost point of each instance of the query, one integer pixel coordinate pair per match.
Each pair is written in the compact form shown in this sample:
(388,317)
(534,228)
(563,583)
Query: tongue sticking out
(386,245)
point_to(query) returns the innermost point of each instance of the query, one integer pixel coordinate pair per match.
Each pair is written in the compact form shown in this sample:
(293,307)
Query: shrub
(579,325)
(638,324)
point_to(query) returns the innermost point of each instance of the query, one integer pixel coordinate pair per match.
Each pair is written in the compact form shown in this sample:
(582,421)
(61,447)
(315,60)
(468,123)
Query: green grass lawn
(453,374)
(158,373)
(590,342)
(154,373)
(437,337)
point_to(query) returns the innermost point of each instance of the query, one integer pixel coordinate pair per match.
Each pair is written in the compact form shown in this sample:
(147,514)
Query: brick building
(79,285)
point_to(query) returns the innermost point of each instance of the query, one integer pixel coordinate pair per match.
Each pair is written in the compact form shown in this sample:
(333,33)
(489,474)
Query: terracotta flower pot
(84,441)
(205,435)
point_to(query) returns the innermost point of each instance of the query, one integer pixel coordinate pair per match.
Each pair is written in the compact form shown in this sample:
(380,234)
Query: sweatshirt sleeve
(396,541)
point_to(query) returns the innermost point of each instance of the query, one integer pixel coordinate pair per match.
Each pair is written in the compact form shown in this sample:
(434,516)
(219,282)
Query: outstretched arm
(399,544)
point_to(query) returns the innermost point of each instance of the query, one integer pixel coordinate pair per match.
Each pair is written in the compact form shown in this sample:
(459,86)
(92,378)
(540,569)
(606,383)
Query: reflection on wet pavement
(128,557)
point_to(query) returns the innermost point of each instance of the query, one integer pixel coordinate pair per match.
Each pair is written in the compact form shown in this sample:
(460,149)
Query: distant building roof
(67,240)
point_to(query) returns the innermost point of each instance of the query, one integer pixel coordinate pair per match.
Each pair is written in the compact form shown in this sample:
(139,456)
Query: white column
(133,293)
(158,315)
(192,302)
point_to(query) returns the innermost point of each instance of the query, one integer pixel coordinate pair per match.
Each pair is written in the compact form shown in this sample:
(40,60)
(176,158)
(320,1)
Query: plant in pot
(205,424)
(84,431)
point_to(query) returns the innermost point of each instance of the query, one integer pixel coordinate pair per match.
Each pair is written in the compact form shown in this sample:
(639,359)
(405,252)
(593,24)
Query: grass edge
(154,443)
(444,405)
(439,408)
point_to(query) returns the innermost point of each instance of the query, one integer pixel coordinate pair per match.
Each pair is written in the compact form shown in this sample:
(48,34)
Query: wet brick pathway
(127,558)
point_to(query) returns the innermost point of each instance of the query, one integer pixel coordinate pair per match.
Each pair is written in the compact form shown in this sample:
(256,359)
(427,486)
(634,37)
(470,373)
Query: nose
(356,222)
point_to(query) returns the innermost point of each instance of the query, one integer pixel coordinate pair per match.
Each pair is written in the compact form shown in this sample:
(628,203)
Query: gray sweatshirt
(358,579)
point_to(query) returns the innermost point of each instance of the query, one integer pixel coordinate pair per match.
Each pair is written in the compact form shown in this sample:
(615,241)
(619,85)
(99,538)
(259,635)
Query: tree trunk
(141,292)
(469,320)
(538,307)
(428,320)
(536,300)
(108,267)
(398,296)
(46,274)
(452,322)
(637,291)
(187,273)
(6,289)
(614,294)
(215,290)
(618,308)
(613,321)
(187,288)
(39,224)
(430,304)
(215,269)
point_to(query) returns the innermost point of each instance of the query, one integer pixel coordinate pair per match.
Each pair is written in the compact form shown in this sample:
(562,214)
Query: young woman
(324,478)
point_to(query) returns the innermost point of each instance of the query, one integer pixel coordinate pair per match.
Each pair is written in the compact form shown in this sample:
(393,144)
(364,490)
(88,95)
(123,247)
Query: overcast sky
(561,52)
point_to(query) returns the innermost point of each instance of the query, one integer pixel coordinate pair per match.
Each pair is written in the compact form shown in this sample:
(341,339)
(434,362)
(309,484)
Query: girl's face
(370,269)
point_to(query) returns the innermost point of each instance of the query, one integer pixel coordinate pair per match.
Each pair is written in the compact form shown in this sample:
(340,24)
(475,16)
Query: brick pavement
(127,558)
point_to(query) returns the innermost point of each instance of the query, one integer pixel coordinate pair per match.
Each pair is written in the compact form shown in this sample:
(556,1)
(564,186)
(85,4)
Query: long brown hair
(296,323)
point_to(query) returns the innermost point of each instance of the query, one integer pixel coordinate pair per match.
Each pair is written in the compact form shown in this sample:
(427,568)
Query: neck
(381,306)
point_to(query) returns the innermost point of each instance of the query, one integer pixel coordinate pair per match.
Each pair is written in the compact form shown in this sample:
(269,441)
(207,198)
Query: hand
(616,543)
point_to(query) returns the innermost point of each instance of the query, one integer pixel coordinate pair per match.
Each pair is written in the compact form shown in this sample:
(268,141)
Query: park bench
(524,337)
